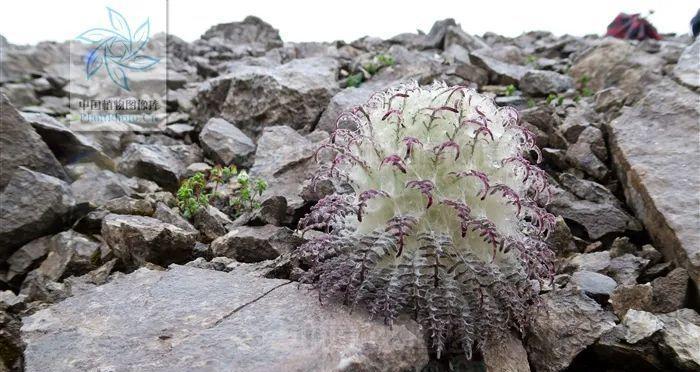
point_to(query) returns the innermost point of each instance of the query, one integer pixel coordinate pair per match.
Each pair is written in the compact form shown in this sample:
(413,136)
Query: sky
(307,20)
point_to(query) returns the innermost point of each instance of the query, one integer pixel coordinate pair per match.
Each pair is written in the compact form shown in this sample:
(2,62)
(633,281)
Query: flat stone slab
(657,157)
(189,319)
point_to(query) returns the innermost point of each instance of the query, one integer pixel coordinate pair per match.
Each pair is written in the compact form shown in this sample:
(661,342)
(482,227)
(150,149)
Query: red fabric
(633,27)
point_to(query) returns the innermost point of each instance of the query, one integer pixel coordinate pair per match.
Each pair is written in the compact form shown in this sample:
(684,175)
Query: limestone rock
(542,83)
(670,291)
(254,97)
(640,325)
(128,205)
(255,243)
(26,258)
(499,72)
(161,164)
(681,338)
(211,223)
(252,30)
(594,285)
(98,187)
(67,146)
(225,144)
(568,323)
(137,240)
(613,62)
(687,71)
(20,145)
(32,205)
(203,319)
(597,213)
(284,158)
(506,355)
(654,149)
(632,296)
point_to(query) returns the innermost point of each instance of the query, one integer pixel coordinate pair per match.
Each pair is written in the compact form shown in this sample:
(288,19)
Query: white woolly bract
(443,205)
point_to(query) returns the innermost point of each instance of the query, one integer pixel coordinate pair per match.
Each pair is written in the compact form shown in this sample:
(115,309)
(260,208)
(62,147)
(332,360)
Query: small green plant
(583,86)
(354,80)
(531,59)
(248,196)
(220,175)
(377,63)
(510,90)
(371,68)
(193,193)
(557,99)
(385,59)
(531,103)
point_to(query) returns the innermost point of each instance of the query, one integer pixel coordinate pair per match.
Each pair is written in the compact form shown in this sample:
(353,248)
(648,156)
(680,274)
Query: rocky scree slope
(99,268)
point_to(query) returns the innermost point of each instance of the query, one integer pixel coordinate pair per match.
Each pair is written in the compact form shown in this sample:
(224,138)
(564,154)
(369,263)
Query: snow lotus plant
(443,222)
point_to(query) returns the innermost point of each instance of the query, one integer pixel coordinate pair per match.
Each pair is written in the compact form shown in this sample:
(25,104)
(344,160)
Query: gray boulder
(20,94)
(70,253)
(557,333)
(499,72)
(542,83)
(67,146)
(254,97)
(20,145)
(657,159)
(161,164)
(203,319)
(252,30)
(687,71)
(456,36)
(634,296)
(129,205)
(344,101)
(681,338)
(505,354)
(211,223)
(594,285)
(225,144)
(598,215)
(256,243)
(99,186)
(137,240)
(172,216)
(670,291)
(11,342)
(614,62)
(284,158)
(32,205)
(26,258)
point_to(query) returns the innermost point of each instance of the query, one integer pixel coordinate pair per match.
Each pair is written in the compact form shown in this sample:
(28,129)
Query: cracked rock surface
(163,321)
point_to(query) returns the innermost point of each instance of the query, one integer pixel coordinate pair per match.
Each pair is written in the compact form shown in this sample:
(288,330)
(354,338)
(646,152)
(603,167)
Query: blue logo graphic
(118,49)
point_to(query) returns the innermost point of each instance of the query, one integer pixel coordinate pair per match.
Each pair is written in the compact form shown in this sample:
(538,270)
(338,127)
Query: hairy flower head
(443,222)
